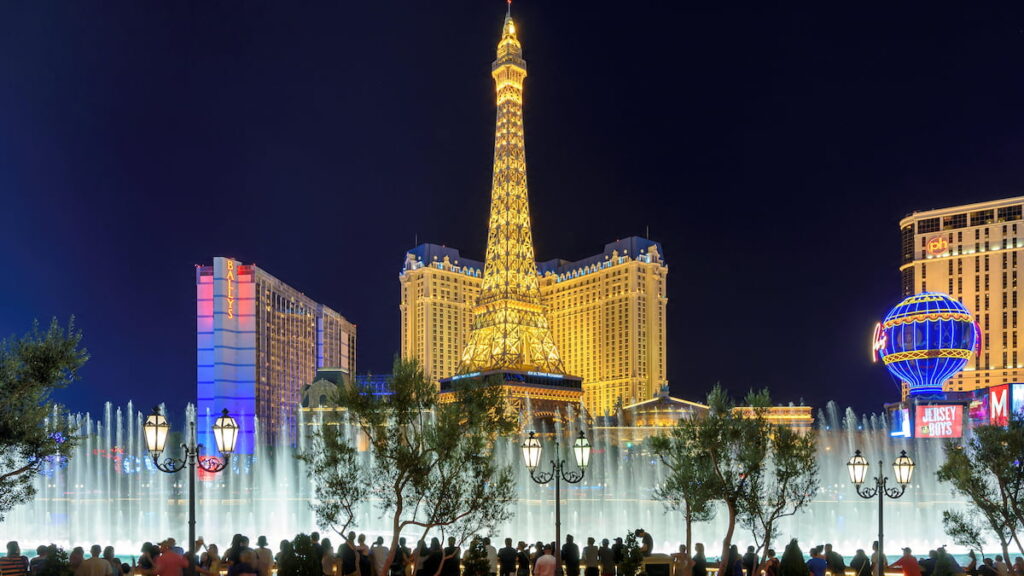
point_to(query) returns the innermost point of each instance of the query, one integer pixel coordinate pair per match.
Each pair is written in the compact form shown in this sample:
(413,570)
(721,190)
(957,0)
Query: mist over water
(110,492)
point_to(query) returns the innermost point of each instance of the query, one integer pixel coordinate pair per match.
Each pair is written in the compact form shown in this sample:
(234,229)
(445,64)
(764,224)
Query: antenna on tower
(647,233)
(508,11)
(416,242)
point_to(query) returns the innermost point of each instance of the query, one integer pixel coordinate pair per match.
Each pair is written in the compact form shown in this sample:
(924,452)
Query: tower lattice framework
(510,330)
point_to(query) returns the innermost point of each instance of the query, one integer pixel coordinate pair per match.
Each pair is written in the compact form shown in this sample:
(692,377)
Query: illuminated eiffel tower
(510,334)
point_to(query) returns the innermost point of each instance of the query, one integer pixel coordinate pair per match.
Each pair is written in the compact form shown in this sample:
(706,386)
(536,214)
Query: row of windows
(964,219)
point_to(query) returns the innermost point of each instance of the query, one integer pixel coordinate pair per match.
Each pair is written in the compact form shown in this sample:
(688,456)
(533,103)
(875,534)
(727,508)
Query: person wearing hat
(908,563)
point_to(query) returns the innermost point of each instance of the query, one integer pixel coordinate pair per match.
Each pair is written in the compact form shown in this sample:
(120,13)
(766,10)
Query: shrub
(792,563)
(475,563)
(301,560)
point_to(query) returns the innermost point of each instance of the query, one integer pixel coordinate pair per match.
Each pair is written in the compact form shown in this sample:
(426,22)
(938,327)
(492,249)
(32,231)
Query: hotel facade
(973,253)
(606,314)
(259,341)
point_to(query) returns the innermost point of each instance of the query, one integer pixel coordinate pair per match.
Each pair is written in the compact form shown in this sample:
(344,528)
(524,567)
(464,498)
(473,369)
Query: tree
(988,469)
(966,529)
(334,463)
(632,556)
(300,559)
(733,447)
(428,464)
(784,486)
(475,563)
(57,562)
(34,429)
(687,487)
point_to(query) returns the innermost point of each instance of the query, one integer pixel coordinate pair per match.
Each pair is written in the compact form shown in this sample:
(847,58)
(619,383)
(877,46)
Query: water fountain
(110,492)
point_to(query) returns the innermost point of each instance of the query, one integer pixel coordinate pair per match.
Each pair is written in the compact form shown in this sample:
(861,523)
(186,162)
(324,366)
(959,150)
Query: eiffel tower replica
(510,340)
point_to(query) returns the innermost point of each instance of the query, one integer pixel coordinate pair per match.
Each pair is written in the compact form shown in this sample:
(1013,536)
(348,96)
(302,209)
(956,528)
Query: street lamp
(903,469)
(225,432)
(531,455)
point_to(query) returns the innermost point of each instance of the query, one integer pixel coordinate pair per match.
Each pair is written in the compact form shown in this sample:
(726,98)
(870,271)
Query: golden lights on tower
(510,329)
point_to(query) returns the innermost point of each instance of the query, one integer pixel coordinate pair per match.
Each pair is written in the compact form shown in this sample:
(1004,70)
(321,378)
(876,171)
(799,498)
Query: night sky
(771,152)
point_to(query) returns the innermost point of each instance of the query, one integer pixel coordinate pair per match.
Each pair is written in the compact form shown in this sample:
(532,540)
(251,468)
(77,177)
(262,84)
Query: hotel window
(954,221)
(928,225)
(982,217)
(1009,213)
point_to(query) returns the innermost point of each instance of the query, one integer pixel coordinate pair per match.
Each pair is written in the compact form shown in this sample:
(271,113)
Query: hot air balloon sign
(925,340)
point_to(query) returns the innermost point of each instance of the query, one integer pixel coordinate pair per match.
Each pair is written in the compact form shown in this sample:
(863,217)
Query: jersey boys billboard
(943,421)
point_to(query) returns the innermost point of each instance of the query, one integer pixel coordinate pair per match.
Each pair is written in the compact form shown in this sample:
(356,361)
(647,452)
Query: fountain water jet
(110,492)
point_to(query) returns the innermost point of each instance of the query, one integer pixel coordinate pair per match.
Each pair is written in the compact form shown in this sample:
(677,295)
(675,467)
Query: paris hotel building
(259,341)
(973,253)
(606,312)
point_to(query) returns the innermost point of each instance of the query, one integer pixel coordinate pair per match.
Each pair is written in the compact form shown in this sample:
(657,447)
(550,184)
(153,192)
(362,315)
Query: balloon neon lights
(925,340)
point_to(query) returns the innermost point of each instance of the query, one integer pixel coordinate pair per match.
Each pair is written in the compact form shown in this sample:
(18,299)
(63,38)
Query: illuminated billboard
(939,421)
(978,409)
(1017,398)
(900,426)
(999,405)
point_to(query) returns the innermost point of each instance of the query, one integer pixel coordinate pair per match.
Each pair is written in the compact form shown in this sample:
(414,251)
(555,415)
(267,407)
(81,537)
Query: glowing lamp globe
(925,340)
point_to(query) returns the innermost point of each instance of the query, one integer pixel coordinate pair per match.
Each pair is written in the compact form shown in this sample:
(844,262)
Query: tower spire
(510,330)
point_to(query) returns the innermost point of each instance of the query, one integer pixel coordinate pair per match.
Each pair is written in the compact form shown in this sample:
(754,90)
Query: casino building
(973,252)
(259,341)
(599,320)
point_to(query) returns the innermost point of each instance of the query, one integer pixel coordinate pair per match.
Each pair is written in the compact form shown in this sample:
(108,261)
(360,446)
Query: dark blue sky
(772,152)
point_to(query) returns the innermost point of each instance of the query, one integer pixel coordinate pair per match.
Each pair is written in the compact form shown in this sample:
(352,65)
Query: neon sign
(999,405)
(231,288)
(878,342)
(980,335)
(939,421)
(545,374)
(937,246)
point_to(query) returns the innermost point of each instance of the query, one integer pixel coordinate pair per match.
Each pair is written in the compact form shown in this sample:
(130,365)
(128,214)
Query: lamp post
(225,431)
(558,473)
(903,468)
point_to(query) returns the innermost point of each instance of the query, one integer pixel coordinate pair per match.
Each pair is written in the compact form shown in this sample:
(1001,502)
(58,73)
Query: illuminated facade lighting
(973,252)
(601,318)
(510,330)
(259,341)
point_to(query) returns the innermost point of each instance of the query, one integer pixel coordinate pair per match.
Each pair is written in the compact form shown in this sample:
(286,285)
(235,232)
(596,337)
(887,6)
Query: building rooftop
(632,246)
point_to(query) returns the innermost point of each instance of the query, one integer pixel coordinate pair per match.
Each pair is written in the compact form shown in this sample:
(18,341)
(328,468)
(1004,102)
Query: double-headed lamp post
(903,469)
(558,473)
(225,431)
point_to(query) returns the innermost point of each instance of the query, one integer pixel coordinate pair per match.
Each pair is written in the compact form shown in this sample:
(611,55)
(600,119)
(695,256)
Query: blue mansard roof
(633,246)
